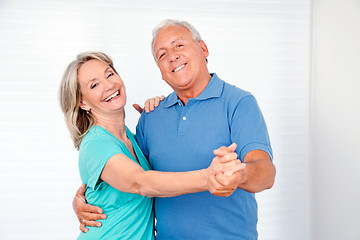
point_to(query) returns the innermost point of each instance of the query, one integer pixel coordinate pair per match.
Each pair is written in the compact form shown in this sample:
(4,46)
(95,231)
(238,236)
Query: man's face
(182,60)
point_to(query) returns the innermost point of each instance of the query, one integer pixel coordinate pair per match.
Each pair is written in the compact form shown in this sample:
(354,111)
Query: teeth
(178,68)
(112,96)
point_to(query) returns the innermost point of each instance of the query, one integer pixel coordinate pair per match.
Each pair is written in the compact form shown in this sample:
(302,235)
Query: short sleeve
(93,155)
(248,127)
(140,135)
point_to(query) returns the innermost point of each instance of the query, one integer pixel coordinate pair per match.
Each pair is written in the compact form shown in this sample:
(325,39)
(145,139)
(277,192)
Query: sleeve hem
(255,146)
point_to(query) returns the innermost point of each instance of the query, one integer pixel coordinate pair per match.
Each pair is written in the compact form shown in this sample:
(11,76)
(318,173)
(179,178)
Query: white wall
(261,46)
(335,120)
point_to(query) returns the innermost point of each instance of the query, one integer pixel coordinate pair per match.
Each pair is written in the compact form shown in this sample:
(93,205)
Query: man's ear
(204,48)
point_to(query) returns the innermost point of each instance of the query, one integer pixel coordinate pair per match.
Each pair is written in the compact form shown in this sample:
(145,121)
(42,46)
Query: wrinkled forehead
(170,34)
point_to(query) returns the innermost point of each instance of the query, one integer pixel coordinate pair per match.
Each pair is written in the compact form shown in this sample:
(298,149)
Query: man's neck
(193,92)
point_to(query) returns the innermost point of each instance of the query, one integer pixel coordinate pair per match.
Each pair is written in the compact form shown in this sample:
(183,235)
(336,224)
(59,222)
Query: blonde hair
(77,120)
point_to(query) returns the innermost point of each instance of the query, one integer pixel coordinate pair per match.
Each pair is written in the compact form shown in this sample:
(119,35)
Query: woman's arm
(125,175)
(162,183)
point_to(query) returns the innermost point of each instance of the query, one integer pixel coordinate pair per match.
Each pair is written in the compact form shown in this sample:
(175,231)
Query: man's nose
(173,56)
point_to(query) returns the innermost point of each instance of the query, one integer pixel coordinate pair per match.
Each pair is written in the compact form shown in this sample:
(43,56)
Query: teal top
(129,215)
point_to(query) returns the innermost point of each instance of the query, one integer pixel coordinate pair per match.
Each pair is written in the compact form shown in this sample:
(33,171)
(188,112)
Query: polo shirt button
(184,118)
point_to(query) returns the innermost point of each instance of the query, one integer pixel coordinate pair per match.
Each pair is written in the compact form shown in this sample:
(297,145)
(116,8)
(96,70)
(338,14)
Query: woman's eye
(94,86)
(110,74)
(180,45)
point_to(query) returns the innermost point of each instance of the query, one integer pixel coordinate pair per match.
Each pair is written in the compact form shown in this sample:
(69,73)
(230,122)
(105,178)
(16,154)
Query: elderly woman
(119,178)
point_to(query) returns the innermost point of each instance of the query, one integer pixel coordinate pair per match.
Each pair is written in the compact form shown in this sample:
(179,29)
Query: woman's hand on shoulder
(149,104)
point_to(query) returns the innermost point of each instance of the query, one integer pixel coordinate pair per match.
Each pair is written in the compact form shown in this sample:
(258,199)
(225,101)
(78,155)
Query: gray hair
(172,22)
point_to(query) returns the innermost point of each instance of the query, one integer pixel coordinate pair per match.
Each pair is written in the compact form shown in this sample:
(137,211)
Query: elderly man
(202,114)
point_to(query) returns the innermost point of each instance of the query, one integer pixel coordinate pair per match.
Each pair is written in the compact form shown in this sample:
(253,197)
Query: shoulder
(160,110)
(97,147)
(232,91)
(97,141)
(229,91)
(235,96)
(94,136)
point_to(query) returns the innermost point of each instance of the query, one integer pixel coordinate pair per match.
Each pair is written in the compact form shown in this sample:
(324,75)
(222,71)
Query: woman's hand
(223,171)
(86,213)
(149,104)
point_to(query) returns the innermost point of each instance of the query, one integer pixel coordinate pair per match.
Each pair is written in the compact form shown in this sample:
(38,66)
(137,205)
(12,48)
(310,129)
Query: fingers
(90,223)
(227,158)
(232,147)
(223,150)
(80,194)
(154,102)
(84,223)
(88,219)
(86,213)
(81,190)
(229,181)
(229,170)
(157,101)
(83,228)
(147,106)
(90,209)
(218,189)
(227,164)
(138,108)
(150,104)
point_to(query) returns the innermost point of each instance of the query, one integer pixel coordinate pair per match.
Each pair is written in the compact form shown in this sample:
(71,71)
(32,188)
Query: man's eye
(180,45)
(94,85)
(161,55)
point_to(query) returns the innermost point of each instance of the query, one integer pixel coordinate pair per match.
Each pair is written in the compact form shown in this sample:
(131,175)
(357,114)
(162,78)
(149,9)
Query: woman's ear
(84,106)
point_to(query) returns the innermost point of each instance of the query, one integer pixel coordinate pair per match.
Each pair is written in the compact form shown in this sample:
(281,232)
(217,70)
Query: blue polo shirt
(177,138)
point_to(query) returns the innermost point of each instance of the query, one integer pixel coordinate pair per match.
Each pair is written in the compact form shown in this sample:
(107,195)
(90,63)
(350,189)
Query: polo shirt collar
(212,90)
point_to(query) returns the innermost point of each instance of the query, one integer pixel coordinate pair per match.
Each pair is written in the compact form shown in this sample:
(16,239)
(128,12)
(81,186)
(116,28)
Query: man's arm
(249,131)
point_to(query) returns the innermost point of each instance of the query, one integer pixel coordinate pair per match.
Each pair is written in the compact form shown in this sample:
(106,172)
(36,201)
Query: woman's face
(102,89)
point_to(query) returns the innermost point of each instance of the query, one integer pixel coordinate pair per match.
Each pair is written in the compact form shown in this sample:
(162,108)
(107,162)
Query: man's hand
(223,171)
(149,104)
(87,214)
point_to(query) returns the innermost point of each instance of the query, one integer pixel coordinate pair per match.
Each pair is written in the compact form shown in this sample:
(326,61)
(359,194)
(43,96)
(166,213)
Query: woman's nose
(108,85)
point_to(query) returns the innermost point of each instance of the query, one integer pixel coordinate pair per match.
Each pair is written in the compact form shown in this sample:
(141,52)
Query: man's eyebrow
(172,43)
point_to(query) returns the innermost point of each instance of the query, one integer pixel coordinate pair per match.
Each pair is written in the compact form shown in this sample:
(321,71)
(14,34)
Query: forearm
(257,176)
(170,184)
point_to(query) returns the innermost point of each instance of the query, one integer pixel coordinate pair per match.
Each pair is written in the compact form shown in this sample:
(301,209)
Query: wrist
(205,175)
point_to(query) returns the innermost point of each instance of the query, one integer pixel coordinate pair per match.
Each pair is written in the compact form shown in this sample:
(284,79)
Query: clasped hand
(225,171)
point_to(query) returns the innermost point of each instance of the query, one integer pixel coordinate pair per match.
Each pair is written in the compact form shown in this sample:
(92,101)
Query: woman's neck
(115,124)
